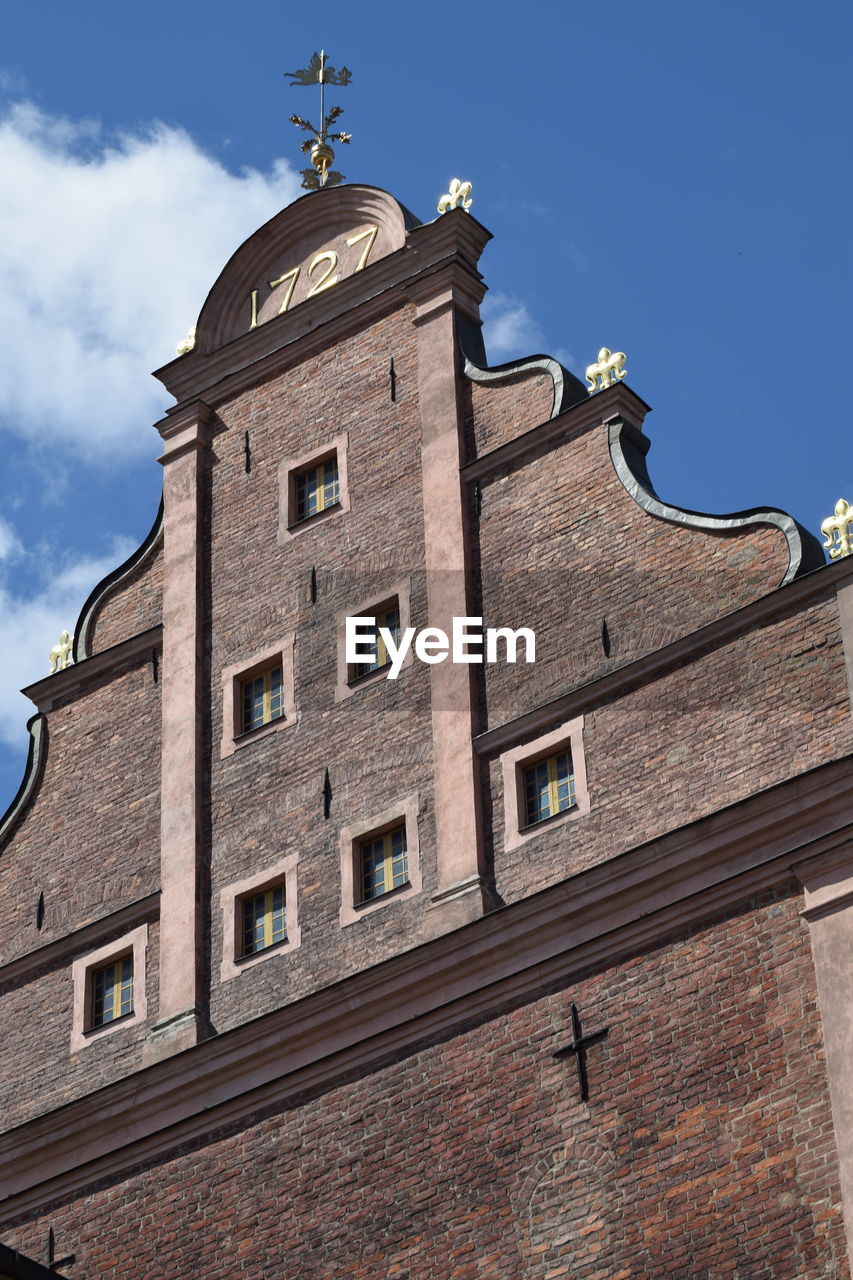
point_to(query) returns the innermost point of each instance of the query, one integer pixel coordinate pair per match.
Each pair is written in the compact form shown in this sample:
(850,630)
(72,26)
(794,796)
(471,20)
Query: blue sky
(667,179)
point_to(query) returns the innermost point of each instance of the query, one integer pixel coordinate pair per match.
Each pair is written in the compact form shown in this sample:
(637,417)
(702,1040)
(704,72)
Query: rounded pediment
(309,247)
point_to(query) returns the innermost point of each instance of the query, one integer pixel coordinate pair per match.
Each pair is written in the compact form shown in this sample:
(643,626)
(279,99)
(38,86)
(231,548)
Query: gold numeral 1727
(369,235)
(325,280)
(292,276)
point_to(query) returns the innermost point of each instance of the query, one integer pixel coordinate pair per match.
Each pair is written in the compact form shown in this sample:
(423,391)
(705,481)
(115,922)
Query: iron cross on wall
(579,1045)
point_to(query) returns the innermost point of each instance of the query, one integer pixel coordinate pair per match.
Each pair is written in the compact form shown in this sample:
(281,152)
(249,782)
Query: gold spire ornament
(836,530)
(457,197)
(609,367)
(320,72)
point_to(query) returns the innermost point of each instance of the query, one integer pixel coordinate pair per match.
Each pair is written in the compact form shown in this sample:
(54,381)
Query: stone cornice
(631,901)
(329,317)
(687,648)
(186,428)
(74,680)
(60,949)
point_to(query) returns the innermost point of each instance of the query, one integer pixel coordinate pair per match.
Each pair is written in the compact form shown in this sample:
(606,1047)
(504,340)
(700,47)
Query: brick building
(500,970)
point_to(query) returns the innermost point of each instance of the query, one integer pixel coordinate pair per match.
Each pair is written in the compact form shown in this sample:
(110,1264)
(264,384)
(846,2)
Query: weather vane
(319,72)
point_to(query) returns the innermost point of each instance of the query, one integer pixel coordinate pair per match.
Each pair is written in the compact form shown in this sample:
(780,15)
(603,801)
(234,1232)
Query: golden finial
(608,368)
(188,343)
(836,529)
(320,72)
(457,197)
(60,654)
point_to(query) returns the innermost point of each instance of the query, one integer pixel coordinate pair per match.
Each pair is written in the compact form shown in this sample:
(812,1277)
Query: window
(380,860)
(264,921)
(259,918)
(312,488)
(109,989)
(317,488)
(257,697)
(384,863)
(262,699)
(112,991)
(387,616)
(544,784)
(392,610)
(549,787)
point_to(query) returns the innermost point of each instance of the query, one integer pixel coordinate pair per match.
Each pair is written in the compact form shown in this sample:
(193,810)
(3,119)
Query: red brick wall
(90,842)
(705,1150)
(497,412)
(90,839)
(770,705)
(133,607)
(563,547)
(267,798)
(42,1073)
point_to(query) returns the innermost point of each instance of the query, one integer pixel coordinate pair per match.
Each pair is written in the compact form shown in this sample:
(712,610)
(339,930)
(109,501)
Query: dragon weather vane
(320,72)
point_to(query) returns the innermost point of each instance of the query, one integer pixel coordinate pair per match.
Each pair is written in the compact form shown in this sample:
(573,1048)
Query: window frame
(117,968)
(272,914)
(289,471)
(388,859)
(346,683)
(268,717)
(567,737)
(236,676)
(555,809)
(232,899)
(402,814)
(321,485)
(83,971)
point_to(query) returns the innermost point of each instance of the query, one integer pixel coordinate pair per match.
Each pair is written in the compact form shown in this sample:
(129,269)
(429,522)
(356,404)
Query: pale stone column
(181,1019)
(828,883)
(458,897)
(828,907)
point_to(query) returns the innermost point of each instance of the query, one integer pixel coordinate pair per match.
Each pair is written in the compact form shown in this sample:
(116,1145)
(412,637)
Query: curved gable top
(318,240)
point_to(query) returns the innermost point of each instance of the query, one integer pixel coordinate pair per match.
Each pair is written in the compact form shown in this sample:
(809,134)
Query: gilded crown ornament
(320,72)
(836,530)
(458,197)
(60,655)
(609,367)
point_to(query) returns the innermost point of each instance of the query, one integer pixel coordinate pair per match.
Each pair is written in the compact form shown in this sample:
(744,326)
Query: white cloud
(509,329)
(30,623)
(10,547)
(12,80)
(108,247)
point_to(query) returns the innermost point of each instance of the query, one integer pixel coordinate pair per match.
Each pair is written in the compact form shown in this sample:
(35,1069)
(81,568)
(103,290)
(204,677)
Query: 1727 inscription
(309,278)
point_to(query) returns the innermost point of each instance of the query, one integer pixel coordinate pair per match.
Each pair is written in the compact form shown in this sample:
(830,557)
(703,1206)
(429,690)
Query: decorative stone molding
(36,754)
(513,762)
(405,810)
(628,448)
(284,873)
(83,1034)
(289,469)
(232,677)
(400,591)
(113,582)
